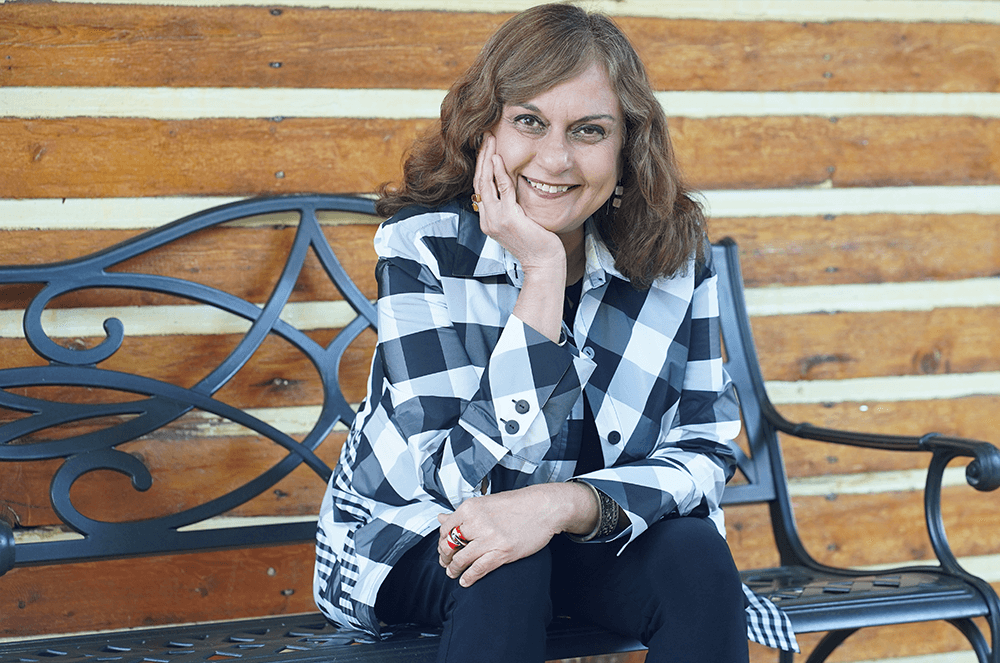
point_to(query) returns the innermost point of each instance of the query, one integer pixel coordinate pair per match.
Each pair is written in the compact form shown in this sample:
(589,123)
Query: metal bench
(818,598)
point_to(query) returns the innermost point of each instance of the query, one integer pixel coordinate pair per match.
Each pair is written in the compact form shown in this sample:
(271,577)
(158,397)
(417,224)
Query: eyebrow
(589,118)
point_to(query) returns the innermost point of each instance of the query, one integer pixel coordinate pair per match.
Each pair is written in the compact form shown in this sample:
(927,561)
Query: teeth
(547,188)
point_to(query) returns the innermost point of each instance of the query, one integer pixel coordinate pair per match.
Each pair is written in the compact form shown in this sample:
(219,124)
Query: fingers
(503,182)
(469,562)
(482,181)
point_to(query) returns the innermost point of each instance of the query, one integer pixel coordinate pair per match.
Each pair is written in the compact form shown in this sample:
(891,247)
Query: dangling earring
(616,200)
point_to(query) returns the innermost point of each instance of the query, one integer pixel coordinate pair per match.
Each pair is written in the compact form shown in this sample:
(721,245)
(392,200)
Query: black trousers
(675,588)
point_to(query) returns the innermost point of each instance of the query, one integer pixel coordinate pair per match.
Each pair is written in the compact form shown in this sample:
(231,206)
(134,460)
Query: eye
(529,123)
(590,132)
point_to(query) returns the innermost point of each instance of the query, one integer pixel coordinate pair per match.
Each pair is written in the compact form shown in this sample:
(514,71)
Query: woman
(547,420)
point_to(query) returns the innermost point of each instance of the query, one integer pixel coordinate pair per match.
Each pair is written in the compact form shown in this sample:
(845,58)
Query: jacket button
(511,427)
(522,406)
(588,352)
(614,437)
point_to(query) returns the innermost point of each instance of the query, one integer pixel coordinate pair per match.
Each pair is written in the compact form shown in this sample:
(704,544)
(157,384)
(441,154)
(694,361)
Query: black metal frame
(839,601)
(817,597)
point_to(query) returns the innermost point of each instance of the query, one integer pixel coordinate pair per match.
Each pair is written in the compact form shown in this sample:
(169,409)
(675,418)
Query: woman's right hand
(503,219)
(539,251)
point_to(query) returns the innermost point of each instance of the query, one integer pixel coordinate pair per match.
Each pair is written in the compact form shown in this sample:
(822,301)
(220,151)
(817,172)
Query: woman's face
(562,148)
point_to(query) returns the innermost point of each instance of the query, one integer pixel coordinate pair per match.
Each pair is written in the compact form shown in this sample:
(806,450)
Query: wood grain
(859,530)
(854,345)
(787,250)
(158,590)
(93,157)
(292,47)
(187,472)
(243,261)
(106,158)
(870,248)
(277,375)
(976,417)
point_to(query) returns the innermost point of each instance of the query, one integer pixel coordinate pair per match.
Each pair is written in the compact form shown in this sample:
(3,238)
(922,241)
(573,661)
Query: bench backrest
(38,401)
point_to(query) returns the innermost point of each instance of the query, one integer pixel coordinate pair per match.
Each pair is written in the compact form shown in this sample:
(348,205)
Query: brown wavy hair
(658,226)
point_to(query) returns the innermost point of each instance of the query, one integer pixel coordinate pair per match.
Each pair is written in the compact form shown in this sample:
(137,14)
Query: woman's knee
(690,545)
(522,582)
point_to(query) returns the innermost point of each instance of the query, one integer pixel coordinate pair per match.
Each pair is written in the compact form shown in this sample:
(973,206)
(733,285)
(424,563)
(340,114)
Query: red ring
(453,545)
(461,537)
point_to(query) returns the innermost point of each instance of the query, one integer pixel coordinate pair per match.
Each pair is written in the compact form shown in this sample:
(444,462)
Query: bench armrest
(6,547)
(982,472)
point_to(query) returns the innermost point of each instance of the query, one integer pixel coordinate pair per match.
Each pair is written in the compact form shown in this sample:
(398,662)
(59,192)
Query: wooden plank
(188,471)
(784,250)
(972,417)
(278,375)
(238,260)
(853,345)
(158,590)
(106,158)
(869,248)
(243,47)
(924,642)
(86,157)
(846,152)
(188,448)
(861,530)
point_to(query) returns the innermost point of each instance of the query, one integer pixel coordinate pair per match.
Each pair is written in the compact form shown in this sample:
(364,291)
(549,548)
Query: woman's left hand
(508,526)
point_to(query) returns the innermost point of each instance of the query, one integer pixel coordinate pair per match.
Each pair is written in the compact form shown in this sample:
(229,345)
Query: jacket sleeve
(687,468)
(452,395)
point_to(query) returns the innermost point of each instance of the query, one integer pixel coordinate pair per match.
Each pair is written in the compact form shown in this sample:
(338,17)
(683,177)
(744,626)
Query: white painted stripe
(885,389)
(722,10)
(915,296)
(143,213)
(826,201)
(101,213)
(169,320)
(194,103)
(869,483)
(986,567)
(135,213)
(827,104)
(291,420)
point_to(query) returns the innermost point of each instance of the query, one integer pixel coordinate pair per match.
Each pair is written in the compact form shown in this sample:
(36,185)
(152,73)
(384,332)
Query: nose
(555,153)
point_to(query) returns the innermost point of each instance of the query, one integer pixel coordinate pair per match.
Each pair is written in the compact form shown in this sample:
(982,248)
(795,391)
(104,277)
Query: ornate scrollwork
(157,403)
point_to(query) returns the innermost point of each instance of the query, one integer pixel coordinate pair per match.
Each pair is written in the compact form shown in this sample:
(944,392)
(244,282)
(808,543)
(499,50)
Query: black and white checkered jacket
(464,397)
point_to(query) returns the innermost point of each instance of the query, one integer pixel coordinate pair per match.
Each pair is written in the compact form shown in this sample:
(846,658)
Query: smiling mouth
(548,188)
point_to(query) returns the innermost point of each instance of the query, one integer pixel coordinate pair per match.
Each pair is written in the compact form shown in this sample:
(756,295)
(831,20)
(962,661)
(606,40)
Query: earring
(616,200)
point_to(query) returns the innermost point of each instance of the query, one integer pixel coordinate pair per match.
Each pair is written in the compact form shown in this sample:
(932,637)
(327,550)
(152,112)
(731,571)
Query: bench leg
(834,639)
(975,638)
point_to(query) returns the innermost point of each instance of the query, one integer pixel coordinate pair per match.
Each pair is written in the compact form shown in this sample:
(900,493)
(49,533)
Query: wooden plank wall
(852,148)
